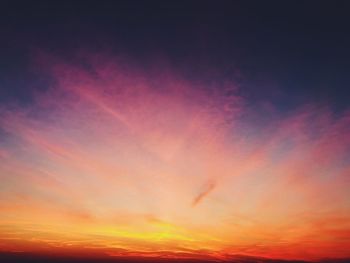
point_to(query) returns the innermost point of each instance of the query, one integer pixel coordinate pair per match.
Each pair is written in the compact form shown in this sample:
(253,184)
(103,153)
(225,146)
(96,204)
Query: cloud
(206,189)
(104,148)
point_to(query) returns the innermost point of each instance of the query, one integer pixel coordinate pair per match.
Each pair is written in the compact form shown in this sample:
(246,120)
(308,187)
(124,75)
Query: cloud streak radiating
(124,161)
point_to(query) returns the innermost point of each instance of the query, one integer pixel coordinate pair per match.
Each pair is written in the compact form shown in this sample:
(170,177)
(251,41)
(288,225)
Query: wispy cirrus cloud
(121,157)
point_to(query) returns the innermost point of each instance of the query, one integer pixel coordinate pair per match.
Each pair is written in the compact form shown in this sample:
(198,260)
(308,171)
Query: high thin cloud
(116,160)
(209,186)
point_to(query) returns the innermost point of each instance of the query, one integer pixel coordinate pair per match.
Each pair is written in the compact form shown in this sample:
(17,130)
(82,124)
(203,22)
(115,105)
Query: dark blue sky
(286,52)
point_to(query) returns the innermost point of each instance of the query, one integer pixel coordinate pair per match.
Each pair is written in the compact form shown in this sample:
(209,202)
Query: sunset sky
(133,145)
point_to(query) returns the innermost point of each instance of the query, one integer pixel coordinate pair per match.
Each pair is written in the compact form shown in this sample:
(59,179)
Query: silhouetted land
(31,258)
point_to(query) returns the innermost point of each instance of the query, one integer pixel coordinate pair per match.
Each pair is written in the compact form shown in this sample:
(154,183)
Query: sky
(189,129)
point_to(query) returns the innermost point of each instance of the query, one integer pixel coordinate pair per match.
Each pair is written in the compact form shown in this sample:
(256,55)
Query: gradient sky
(180,132)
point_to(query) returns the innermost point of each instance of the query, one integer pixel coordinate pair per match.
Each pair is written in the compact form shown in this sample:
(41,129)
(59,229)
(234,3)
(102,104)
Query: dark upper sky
(286,52)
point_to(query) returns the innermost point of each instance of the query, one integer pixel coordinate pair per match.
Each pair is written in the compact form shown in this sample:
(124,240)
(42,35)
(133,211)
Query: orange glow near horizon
(115,161)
